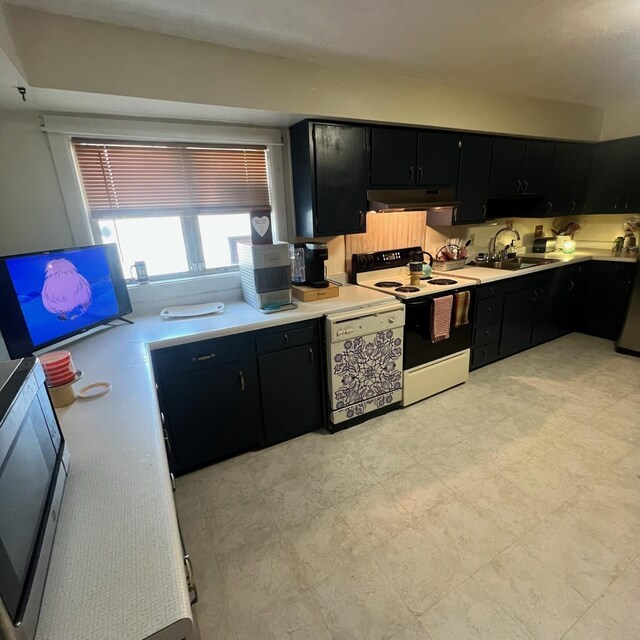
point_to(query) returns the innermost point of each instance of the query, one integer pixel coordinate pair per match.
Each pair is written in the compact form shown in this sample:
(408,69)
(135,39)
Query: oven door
(28,469)
(419,349)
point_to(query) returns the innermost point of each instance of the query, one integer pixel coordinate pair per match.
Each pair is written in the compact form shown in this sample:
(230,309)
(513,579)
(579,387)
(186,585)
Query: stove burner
(443,281)
(388,284)
(407,289)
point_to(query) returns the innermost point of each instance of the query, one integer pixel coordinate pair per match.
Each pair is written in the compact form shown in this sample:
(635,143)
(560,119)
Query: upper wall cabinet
(410,157)
(569,178)
(329,183)
(614,185)
(520,168)
(393,157)
(473,178)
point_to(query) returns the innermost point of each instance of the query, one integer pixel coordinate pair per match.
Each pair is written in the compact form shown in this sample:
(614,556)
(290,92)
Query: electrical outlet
(472,237)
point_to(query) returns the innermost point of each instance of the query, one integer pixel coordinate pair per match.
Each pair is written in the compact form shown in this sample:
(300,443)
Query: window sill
(172,281)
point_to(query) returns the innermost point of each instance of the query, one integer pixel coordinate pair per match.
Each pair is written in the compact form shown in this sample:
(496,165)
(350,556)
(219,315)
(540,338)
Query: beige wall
(620,121)
(32,214)
(68,53)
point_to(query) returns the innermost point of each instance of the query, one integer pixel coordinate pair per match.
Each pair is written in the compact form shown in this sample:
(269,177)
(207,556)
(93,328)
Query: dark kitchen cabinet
(290,386)
(605,298)
(569,178)
(209,400)
(438,158)
(393,156)
(412,157)
(473,178)
(517,320)
(487,324)
(614,185)
(329,178)
(549,316)
(520,167)
(507,166)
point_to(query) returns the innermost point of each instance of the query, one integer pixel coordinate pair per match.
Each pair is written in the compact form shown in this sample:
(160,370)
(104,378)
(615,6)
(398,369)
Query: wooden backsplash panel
(387,231)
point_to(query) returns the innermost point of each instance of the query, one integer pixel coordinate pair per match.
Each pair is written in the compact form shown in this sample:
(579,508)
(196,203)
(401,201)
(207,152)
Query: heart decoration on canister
(261,232)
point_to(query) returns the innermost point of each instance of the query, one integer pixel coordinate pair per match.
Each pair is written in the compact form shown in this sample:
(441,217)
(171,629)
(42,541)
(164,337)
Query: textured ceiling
(585,51)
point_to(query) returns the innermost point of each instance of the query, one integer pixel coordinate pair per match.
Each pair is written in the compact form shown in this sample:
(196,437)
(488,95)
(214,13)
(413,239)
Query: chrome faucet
(493,254)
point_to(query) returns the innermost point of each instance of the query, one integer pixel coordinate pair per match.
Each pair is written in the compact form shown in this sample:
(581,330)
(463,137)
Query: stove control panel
(362,262)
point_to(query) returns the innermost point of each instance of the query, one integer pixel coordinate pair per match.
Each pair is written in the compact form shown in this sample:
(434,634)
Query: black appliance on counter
(315,254)
(34,462)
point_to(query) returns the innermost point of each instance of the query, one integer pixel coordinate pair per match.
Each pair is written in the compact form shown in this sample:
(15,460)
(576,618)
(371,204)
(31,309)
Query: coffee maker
(315,253)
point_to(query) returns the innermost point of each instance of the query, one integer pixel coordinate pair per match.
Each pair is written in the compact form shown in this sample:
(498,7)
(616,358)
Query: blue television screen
(49,296)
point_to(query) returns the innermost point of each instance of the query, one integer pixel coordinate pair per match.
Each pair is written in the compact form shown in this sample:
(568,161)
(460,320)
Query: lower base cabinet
(221,396)
(607,289)
(291,404)
(532,309)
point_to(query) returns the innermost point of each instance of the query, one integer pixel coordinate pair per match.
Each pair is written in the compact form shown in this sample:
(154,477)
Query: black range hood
(411,199)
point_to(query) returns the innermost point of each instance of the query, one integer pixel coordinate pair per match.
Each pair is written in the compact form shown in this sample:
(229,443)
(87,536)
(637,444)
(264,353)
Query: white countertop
(486,274)
(116,570)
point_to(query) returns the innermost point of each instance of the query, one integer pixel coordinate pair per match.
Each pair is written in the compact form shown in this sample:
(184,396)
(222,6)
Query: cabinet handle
(411,174)
(208,356)
(455,214)
(525,186)
(549,206)
(484,210)
(419,174)
(173,482)
(573,206)
(310,355)
(519,185)
(286,338)
(541,294)
(489,311)
(241,375)
(486,333)
(615,204)
(362,219)
(191,579)
(572,285)
(166,440)
(162,418)
(535,295)
(626,203)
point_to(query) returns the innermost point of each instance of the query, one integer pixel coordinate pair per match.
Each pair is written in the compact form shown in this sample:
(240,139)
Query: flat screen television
(50,296)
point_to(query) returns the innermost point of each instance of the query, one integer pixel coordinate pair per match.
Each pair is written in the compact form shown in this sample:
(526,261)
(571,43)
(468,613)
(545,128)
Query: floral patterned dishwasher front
(367,374)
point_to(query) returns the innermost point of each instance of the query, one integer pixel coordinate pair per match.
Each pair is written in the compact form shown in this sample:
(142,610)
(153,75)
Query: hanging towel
(461,308)
(441,318)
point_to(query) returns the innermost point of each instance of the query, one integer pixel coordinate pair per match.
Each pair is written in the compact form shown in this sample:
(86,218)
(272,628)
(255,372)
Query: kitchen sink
(515,264)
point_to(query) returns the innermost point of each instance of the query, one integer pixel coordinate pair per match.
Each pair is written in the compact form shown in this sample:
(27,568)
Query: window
(180,208)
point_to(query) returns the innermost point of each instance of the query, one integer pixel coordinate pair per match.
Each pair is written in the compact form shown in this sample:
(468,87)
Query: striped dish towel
(461,308)
(441,318)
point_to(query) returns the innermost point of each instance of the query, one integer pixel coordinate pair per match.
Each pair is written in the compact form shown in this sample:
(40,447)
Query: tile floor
(506,508)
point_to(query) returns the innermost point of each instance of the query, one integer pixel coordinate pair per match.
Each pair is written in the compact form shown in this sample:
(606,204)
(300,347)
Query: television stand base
(125,320)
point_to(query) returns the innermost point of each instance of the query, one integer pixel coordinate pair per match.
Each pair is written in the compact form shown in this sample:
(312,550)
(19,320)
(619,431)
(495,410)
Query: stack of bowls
(58,368)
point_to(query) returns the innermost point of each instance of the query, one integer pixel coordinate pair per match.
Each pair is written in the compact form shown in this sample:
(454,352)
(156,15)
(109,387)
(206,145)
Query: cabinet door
(507,166)
(393,156)
(607,178)
(549,313)
(537,168)
(340,189)
(438,158)
(473,178)
(517,321)
(631,201)
(608,286)
(561,189)
(291,389)
(210,413)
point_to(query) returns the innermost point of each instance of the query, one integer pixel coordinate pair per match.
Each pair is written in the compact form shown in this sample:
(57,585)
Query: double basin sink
(515,264)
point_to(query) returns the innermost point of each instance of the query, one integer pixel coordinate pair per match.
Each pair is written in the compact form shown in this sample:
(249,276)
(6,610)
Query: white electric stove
(429,366)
